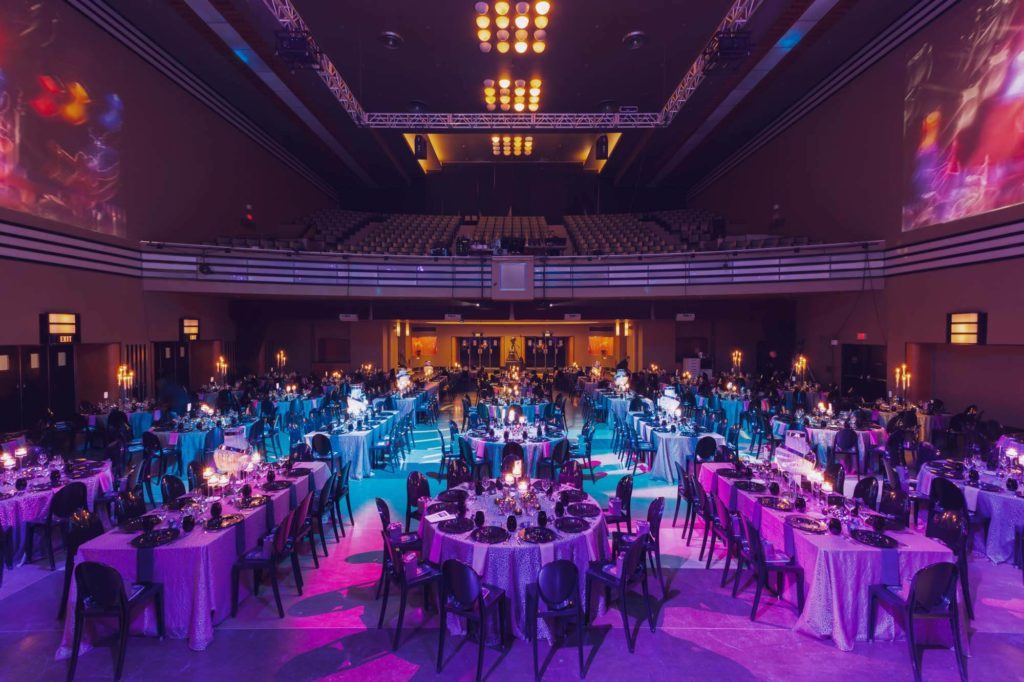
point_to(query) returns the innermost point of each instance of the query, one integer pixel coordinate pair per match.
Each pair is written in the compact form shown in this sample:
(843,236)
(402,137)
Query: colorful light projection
(59,136)
(964,120)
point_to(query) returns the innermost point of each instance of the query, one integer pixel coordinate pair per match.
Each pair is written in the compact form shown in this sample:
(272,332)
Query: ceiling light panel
(512,28)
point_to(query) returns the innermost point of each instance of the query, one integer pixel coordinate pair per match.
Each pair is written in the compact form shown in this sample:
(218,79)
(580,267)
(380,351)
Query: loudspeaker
(602,148)
(420,147)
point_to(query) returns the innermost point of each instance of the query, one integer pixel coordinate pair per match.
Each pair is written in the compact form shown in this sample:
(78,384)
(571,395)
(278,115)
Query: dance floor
(330,632)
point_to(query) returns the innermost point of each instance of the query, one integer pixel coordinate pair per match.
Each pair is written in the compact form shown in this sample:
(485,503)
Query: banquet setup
(511,340)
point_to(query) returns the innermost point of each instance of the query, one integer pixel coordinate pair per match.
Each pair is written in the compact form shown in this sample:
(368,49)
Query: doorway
(864,371)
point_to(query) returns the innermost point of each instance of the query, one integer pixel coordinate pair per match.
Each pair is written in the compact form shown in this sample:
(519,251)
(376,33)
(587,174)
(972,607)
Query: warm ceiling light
(539,47)
(485,47)
(506,107)
(519,92)
(520,83)
(529,139)
(506,139)
(540,36)
(519,106)
(504,83)
(535,83)
(491,107)
(501,7)
(522,21)
(521,47)
(490,99)
(505,99)
(484,35)
(522,7)
(542,7)
(483,21)
(488,82)
(534,92)
(540,22)
(534,106)
(501,21)
(522,35)
(502,35)
(481,8)
(489,91)
(503,47)
(493,23)
(495,139)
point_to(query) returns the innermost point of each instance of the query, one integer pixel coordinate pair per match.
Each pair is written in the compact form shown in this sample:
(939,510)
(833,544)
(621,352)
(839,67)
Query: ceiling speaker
(420,147)
(602,148)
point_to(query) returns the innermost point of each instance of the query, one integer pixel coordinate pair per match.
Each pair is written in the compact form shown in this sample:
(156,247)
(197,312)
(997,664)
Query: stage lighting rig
(298,50)
(727,49)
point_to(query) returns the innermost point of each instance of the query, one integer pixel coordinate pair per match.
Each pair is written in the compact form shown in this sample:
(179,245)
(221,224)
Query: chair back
(509,460)
(321,445)
(655,512)
(416,486)
(281,533)
(866,491)
(131,504)
(624,491)
(453,429)
(950,527)
(300,514)
(512,449)
(634,558)
(558,582)
(194,473)
(933,589)
(323,501)
(846,440)
(458,473)
(461,584)
(83,526)
(706,449)
(944,494)
(894,502)
(171,488)
(100,585)
(753,536)
(213,438)
(835,474)
(69,499)
(150,443)
(571,474)
(384,512)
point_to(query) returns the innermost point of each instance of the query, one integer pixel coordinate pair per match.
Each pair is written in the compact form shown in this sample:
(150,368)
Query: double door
(32,379)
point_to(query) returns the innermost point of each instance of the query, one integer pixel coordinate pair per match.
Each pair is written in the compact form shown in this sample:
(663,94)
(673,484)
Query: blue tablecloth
(354,446)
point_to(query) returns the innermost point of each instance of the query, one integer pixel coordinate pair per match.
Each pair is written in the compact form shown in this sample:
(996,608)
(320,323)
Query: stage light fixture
(542,7)
(522,21)
(501,7)
(511,24)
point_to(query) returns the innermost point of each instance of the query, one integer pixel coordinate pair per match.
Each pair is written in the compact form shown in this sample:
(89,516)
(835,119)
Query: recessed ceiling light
(634,40)
(391,40)
(418,106)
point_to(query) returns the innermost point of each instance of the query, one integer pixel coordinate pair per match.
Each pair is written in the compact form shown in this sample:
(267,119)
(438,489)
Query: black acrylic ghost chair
(866,491)
(623,491)
(404,543)
(416,486)
(407,578)
(555,597)
(171,488)
(932,597)
(463,594)
(265,558)
(755,554)
(101,593)
(82,527)
(458,473)
(65,502)
(951,528)
(633,571)
(655,513)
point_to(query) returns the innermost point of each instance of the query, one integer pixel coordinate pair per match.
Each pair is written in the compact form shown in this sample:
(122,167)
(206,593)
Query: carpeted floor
(330,632)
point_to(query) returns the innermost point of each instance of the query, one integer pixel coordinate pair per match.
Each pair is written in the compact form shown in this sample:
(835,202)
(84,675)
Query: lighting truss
(735,19)
(504,121)
(290,20)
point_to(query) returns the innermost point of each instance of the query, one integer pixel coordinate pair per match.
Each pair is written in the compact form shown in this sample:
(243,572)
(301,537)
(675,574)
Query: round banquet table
(823,439)
(514,564)
(302,406)
(140,421)
(1003,509)
(33,505)
(531,410)
(190,443)
(489,450)
(927,424)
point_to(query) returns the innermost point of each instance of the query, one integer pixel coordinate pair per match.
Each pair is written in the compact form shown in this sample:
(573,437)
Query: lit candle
(522,487)
(826,487)
(509,479)
(207,473)
(517,468)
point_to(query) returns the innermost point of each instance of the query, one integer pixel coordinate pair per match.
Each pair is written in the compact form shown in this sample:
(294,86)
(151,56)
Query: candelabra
(902,379)
(222,368)
(737,361)
(281,357)
(800,367)
(125,380)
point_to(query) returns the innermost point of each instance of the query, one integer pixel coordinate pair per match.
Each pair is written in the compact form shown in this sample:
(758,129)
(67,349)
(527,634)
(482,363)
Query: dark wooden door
(60,380)
(10,388)
(33,385)
(864,371)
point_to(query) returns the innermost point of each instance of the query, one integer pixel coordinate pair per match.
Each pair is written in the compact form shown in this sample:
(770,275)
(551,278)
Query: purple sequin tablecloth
(837,569)
(514,564)
(195,569)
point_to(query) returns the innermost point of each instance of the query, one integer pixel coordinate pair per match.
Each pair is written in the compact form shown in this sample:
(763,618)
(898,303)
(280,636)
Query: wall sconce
(967,329)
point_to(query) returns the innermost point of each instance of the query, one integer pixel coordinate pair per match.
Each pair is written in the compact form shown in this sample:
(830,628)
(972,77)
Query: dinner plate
(873,539)
(751,486)
(537,535)
(461,525)
(730,473)
(155,538)
(776,503)
(253,502)
(987,487)
(584,509)
(450,507)
(806,523)
(225,521)
(276,485)
(571,524)
(453,495)
(490,535)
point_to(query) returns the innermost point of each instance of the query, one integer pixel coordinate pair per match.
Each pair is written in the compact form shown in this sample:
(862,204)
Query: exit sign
(862,336)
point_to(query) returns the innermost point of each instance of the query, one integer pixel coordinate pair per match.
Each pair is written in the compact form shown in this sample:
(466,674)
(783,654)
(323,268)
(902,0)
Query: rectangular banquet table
(195,569)
(837,570)
(354,446)
(671,447)
(17,511)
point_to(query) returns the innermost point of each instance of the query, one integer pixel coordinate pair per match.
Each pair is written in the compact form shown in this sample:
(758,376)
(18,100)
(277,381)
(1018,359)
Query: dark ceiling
(441,65)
